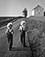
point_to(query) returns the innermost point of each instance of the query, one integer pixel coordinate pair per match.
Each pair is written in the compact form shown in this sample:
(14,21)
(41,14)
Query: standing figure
(22,30)
(9,33)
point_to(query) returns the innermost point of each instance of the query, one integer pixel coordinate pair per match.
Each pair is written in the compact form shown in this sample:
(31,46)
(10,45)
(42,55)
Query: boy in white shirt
(22,30)
(9,33)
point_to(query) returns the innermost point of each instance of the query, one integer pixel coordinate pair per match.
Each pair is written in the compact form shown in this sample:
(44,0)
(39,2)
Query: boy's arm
(20,28)
(12,31)
(6,31)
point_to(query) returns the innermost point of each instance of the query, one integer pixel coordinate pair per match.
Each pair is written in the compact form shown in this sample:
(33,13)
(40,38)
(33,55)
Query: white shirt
(20,28)
(10,30)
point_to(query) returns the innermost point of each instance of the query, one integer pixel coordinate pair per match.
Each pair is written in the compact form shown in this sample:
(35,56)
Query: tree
(25,12)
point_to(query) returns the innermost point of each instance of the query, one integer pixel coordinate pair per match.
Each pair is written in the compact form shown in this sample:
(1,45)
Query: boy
(22,30)
(9,33)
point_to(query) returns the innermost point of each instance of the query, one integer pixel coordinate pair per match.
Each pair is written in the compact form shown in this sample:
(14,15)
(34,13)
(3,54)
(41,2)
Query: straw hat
(9,24)
(22,22)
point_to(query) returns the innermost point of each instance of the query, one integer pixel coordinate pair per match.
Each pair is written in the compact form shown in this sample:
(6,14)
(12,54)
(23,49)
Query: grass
(17,51)
(20,52)
(4,22)
(36,37)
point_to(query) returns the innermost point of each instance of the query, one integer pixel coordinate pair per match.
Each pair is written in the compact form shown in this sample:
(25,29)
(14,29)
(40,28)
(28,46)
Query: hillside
(18,50)
(35,37)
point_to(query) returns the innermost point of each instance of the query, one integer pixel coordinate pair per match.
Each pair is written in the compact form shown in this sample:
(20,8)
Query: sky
(15,7)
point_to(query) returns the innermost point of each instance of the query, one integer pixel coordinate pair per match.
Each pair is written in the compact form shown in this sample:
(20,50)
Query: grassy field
(4,22)
(36,36)
(18,49)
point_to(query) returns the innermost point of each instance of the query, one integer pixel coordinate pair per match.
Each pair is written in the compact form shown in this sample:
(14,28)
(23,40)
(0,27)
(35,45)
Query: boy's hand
(12,32)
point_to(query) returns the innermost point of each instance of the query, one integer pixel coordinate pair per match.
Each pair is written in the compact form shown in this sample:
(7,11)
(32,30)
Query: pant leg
(10,43)
(23,39)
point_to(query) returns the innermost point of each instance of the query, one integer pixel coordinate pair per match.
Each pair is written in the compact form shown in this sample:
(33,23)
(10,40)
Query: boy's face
(24,24)
(10,26)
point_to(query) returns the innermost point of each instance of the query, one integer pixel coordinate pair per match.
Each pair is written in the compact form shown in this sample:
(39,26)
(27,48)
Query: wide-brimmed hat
(9,24)
(22,22)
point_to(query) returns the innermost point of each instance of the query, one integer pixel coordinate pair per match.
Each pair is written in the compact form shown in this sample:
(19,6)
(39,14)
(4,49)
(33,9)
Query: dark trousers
(23,38)
(10,41)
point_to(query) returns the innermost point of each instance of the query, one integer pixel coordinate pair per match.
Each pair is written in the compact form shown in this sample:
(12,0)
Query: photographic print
(22,28)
